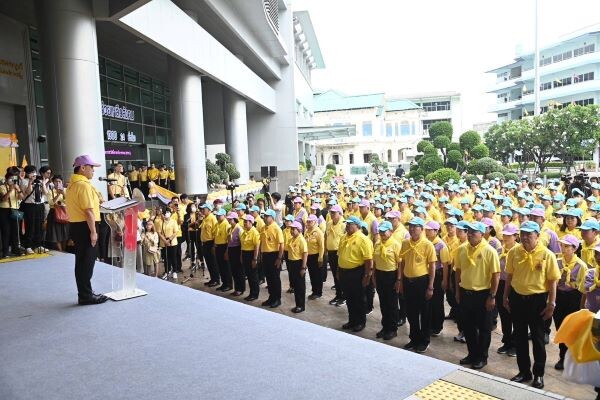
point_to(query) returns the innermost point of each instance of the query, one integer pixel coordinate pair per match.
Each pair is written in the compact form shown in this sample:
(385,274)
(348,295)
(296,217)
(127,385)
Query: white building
(360,125)
(569,73)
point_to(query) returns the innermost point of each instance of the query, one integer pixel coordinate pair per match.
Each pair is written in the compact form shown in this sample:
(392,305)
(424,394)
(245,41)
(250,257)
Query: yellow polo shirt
(270,238)
(223,230)
(260,224)
(134,175)
(334,232)
(531,270)
(143,176)
(587,252)
(209,228)
(476,265)
(164,174)
(386,255)
(354,250)
(444,252)
(417,256)
(152,174)
(249,239)
(168,229)
(12,201)
(314,239)
(287,238)
(298,247)
(81,197)
(400,234)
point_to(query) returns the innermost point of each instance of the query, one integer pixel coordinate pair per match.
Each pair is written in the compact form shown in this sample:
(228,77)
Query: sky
(412,46)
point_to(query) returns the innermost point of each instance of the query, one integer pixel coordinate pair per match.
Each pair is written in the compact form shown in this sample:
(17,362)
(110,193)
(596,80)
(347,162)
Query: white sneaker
(165,276)
(29,251)
(174,275)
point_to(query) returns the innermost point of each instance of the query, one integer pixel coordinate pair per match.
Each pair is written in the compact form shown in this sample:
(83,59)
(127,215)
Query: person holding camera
(35,190)
(57,231)
(10,196)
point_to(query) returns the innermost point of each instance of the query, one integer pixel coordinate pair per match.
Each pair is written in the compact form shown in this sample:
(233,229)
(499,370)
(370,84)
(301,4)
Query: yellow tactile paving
(441,390)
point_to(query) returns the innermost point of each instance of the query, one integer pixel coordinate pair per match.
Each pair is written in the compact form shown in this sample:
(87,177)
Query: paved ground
(443,347)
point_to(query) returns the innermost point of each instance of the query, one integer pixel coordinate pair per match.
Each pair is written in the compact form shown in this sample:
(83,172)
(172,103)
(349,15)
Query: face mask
(556,206)
(168,215)
(193,209)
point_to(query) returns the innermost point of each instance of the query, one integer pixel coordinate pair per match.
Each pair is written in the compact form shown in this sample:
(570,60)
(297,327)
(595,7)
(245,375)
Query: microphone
(107,179)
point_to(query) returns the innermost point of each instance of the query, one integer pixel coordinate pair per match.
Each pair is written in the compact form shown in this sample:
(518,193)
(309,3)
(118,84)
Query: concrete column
(300,150)
(71,84)
(236,132)
(187,128)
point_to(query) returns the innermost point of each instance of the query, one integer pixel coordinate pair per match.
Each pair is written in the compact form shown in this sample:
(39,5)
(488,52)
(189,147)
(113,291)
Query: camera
(14,179)
(266,183)
(231,186)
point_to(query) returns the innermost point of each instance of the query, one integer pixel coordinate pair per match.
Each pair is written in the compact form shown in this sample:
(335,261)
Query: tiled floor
(442,347)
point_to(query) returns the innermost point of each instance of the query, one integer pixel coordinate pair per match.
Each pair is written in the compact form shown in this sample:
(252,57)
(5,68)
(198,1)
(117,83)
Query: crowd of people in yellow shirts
(526,252)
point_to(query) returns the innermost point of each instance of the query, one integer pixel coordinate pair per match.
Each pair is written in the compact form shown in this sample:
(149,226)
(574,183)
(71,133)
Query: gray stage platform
(180,343)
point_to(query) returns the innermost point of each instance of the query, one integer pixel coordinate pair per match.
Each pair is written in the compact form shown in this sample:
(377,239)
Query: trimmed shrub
(443,175)
(494,175)
(482,166)
(480,151)
(422,144)
(430,164)
(468,178)
(511,176)
(330,166)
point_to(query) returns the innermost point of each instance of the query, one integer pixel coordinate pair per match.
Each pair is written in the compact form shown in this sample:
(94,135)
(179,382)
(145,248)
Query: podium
(121,216)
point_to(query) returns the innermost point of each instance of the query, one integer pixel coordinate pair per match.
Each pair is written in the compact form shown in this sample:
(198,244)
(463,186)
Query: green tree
(308,164)
(441,128)
(430,150)
(222,170)
(376,164)
(467,141)
(443,175)
(482,166)
(455,160)
(422,144)
(442,142)
(454,146)
(480,151)
(430,163)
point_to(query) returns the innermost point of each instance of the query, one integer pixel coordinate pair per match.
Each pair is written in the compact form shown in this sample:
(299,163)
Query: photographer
(10,196)
(35,190)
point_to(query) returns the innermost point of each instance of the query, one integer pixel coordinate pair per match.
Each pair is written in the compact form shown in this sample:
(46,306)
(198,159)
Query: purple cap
(232,215)
(487,221)
(312,217)
(538,212)
(248,217)
(433,225)
(315,207)
(570,240)
(510,229)
(365,203)
(298,200)
(336,208)
(84,160)
(297,225)
(393,214)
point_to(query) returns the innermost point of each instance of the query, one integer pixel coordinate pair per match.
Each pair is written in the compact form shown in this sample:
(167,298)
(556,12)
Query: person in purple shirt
(234,249)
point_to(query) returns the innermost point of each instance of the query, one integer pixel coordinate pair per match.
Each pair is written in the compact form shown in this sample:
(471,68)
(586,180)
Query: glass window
(36,66)
(34,40)
(136,129)
(105,124)
(147,99)
(158,87)
(131,76)
(114,70)
(404,128)
(161,119)
(389,129)
(149,134)
(101,65)
(115,89)
(367,128)
(366,157)
(132,94)
(389,156)
(159,102)
(162,136)
(118,126)
(44,151)
(39,93)
(137,113)
(103,90)
(351,158)
(40,117)
(145,82)
(147,116)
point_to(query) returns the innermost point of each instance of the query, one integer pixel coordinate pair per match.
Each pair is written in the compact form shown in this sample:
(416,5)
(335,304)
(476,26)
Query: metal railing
(272,12)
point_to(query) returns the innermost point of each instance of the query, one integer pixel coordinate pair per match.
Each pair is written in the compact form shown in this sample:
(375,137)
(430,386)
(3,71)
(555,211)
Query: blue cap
(289,217)
(578,191)
(241,207)
(571,203)
(451,221)
(254,209)
(464,200)
(477,226)
(221,211)
(462,225)
(443,199)
(380,206)
(523,211)
(592,199)
(506,213)
(457,213)
(589,225)
(529,226)
(477,207)
(574,212)
(559,197)
(270,213)
(385,226)
(417,221)
(353,220)
(207,205)
(489,208)
(388,205)
(420,210)
(547,197)
(332,202)
(595,207)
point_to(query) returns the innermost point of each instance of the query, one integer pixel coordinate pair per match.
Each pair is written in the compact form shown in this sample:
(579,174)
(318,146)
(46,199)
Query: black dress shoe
(390,335)
(358,328)
(333,301)
(503,349)
(213,284)
(401,321)
(275,304)
(546,341)
(94,299)
(225,289)
(266,303)
(250,298)
(297,310)
(236,293)
(520,378)
(466,361)
(479,364)
(560,365)
(208,283)
(347,326)
(538,382)
(380,334)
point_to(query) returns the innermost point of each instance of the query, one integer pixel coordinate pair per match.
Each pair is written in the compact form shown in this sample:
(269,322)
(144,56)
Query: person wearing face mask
(168,240)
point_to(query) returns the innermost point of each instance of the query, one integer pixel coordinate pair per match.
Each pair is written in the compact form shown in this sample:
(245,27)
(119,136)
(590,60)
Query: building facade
(157,82)
(569,73)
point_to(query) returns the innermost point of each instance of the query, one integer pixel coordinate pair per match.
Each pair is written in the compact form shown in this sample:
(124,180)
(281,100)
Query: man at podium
(83,208)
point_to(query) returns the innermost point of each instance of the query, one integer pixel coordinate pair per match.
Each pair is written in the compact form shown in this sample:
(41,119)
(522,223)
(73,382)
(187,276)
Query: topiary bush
(429,150)
(468,178)
(330,166)
(494,175)
(422,144)
(443,175)
(453,146)
(441,128)
(511,176)
(480,151)
(430,164)
(483,166)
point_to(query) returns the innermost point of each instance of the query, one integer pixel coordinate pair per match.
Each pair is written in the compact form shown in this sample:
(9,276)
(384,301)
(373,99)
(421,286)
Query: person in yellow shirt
(153,174)
(415,280)
(477,274)
(355,256)
(208,232)
(271,247)
(369,218)
(83,209)
(143,178)
(168,240)
(163,176)
(297,258)
(234,252)
(386,259)
(589,233)
(250,243)
(171,179)
(530,296)
(334,231)
(287,237)
(117,184)
(440,284)
(509,240)
(134,177)
(571,223)
(316,250)
(452,241)
(223,229)
(569,290)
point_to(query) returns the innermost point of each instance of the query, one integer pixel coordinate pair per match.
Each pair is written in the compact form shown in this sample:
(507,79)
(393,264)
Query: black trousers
(179,256)
(211,263)
(287,262)
(237,271)
(388,299)
(315,273)
(144,188)
(437,302)
(477,323)
(224,268)
(299,281)
(567,302)
(418,309)
(451,295)
(351,281)
(85,257)
(171,259)
(10,232)
(525,311)
(332,256)
(251,273)
(34,225)
(193,245)
(272,275)
(505,317)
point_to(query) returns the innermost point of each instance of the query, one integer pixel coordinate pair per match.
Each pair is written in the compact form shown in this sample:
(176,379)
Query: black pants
(34,225)
(287,262)
(315,273)
(505,317)
(324,267)
(566,303)
(237,271)
(351,281)
(299,281)
(170,259)
(144,188)
(332,256)
(223,265)
(103,240)
(260,268)
(525,311)
(272,275)
(477,323)
(418,309)
(388,299)
(179,256)
(10,232)
(85,258)
(451,295)
(211,263)
(193,246)
(437,302)
(251,273)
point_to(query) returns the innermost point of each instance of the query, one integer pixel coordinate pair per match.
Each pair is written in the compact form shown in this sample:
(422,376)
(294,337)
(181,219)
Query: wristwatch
(552,302)
(492,295)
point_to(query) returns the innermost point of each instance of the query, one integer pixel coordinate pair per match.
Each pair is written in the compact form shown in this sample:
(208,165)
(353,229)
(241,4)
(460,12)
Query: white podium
(121,216)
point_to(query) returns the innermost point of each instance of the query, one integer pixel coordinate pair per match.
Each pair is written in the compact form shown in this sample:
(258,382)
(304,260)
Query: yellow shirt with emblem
(270,238)
(209,228)
(386,255)
(531,270)
(223,230)
(354,250)
(587,252)
(12,201)
(169,229)
(297,248)
(476,265)
(334,233)
(249,239)
(314,239)
(417,256)
(81,196)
